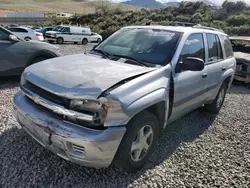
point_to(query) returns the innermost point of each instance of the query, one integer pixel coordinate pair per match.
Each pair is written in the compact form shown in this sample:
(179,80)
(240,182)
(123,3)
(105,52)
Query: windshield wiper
(105,54)
(137,61)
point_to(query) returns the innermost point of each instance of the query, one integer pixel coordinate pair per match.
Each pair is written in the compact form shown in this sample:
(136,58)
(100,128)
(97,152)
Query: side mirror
(13,38)
(192,64)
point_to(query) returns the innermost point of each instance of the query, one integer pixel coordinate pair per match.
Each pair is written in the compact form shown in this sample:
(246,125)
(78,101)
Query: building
(64,15)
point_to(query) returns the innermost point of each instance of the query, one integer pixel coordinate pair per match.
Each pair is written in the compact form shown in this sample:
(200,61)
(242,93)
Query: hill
(49,6)
(145,3)
(232,17)
(171,4)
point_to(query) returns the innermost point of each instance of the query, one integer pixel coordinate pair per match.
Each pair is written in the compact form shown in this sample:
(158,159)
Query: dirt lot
(199,150)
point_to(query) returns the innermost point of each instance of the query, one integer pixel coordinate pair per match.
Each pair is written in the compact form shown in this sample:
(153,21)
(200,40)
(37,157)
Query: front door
(12,56)
(190,86)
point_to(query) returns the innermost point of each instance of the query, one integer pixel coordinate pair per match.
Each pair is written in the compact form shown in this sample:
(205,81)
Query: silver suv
(110,105)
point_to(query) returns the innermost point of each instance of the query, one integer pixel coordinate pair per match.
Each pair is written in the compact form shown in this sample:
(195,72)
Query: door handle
(224,68)
(204,75)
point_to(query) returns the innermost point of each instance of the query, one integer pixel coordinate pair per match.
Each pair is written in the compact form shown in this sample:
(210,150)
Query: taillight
(38,34)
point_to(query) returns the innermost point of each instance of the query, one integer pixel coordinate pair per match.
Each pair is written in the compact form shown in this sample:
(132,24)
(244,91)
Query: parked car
(95,37)
(123,93)
(44,30)
(26,33)
(241,48)
(72,34)
(16,53)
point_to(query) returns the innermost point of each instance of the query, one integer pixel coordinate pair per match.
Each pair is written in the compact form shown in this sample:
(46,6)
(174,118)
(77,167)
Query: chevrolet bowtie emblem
(36,100)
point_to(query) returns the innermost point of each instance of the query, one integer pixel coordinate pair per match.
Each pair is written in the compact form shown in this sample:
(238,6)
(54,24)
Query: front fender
(146,101)
(45,53)
(127,113)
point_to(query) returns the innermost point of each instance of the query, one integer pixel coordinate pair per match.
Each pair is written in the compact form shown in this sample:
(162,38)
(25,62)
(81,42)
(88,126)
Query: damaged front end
(241,50)
(86,111)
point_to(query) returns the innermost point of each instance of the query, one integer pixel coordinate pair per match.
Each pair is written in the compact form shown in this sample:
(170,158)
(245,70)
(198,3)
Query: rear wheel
(84,41)
(99,40)
(216,105)
(59,40)
(27,38)
(138,142)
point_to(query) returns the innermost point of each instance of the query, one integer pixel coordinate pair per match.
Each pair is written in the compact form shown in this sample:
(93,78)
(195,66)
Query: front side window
(148,45)
(214,48)
(193,47)
(227,46)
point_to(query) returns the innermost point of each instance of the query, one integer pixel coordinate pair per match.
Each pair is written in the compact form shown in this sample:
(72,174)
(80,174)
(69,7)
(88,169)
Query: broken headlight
(97,109)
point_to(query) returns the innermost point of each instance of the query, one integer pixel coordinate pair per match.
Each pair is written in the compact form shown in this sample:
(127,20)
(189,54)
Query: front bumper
(84,146)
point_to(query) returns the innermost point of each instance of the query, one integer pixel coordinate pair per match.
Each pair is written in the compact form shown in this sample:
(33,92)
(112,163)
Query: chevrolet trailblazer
(110,105)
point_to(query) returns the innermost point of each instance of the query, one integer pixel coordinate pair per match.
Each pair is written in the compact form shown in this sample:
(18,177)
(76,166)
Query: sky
(218,2)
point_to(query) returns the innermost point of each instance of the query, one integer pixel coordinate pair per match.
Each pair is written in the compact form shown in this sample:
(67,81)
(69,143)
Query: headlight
(105,111)
(95,108)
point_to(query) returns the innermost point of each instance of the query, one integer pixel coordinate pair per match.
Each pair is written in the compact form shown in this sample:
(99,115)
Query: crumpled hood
(80,76)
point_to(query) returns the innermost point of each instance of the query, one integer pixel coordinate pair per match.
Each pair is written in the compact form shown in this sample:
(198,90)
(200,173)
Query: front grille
(78,148)
(47,95)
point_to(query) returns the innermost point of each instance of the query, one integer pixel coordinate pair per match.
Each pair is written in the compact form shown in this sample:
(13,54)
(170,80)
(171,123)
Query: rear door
(216,63)
(190,86)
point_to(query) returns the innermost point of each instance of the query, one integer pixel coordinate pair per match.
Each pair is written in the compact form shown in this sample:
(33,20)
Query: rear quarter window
(227,46)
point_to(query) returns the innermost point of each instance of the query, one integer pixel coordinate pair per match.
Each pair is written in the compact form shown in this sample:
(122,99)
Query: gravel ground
(199,150)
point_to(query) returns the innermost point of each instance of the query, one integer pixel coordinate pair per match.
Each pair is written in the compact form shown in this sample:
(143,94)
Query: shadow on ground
(243,89)
(9,82)
(26,163)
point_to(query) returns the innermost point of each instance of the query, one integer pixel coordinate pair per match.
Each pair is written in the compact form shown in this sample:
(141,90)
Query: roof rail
(209,28)
(185,24)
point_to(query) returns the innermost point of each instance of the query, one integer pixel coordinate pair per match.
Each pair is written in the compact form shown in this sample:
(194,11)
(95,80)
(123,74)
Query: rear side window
(214,48)
(19,30)
(3,35)
(194,47)
(227,46)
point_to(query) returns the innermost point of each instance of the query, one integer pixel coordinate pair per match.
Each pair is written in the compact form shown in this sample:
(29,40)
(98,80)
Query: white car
(95,37)
(27,33)
(73,34)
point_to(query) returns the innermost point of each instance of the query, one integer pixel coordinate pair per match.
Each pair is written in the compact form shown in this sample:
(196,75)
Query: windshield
(152,46)
(58,28)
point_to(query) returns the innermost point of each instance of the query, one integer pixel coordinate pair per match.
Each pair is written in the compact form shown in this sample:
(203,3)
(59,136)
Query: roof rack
(185,24)
(198,26)
(188,24)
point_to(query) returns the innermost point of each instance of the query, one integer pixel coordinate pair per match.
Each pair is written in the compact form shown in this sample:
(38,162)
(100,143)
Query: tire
(126,157)
(84,41)
(59,40)
(27,38)
(38,59)
(99,40)
(216,105)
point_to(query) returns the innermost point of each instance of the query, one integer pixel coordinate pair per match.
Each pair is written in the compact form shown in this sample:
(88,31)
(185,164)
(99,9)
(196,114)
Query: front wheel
(59,40)
(216,105)
(38,59)
(138,142)
(99,40)
(84,41)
